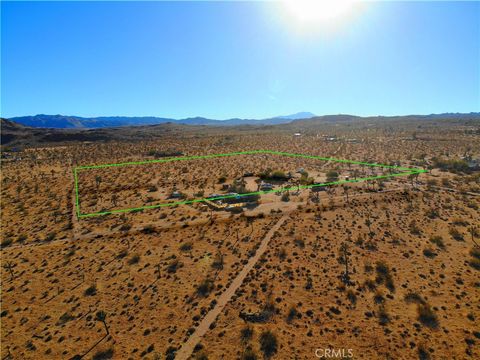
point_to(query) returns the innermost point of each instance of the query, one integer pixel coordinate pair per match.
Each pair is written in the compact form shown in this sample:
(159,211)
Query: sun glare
(317,12)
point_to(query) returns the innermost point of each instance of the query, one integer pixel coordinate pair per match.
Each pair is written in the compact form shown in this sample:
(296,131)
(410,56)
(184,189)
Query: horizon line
(245,118)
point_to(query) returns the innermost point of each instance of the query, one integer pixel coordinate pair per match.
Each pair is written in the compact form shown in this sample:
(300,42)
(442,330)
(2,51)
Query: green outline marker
(405,171)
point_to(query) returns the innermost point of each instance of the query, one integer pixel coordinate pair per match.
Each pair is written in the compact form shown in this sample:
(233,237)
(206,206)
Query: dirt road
(186,350)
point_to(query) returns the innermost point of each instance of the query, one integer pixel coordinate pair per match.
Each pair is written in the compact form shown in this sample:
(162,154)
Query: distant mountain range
(77,122)
(68,122)
(15,134)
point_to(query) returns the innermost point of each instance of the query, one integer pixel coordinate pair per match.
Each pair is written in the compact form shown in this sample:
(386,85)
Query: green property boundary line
(405,171)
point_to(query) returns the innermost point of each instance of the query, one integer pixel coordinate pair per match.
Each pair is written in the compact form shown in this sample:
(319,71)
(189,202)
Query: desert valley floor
(385,269)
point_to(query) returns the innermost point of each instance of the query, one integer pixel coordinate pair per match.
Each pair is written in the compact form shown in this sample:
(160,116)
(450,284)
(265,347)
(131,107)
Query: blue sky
(237,59)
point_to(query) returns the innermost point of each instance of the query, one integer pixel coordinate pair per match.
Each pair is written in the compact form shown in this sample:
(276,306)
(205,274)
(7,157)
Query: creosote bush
(103,354)
(186,246)
(427,316)
(438,240)
(174,265)
(475,260)
(384,276)
(423,353)
(429,253)
(246,334)
(383,316)
(268,343)
(135,259)
(123,253)
(218,261)
(351,296)
(455,234)
(6,242)
(205,287)
(91,290)
(413,297)
(148,229)
(292,314)
(201,356)
(249,354)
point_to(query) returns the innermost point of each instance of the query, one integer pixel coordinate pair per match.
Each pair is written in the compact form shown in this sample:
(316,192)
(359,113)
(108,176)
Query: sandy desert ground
(380,270)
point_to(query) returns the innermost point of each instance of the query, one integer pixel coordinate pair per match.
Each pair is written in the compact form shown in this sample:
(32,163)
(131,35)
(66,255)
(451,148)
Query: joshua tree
(329,191)
(218,261)
(201,234)
(234,248)
(9,354)
(473,232)
(319,207)
(297,184)
(345,192)
(56,214)
(102,316)
(356,172)
(369,223)
(158,271)
(9,267)
(99,316)
(344,254)
(250,221)
(114,199)
(211,216)
(413,178)
(18,189)
(82,273)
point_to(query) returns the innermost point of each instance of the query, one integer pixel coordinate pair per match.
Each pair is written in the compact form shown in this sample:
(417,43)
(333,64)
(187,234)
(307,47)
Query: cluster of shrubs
(425,314)
(276,175)
(205,287)
(475,261)
(384,276)
(267,340)
(452,165)
(160,154)
(332,175)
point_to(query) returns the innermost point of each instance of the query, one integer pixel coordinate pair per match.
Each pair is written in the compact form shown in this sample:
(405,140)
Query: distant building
(266,186)
(329,137)
(176,195)
(318,188)
(473,164)
(235,206)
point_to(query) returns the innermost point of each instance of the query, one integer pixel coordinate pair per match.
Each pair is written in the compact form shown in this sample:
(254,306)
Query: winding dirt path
(187,349)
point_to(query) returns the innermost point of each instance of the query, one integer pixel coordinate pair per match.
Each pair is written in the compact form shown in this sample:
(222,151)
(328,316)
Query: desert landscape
(240,180)
(382,269)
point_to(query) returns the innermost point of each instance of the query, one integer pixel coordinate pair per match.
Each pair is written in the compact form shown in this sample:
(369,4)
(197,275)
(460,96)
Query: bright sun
(309,12)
